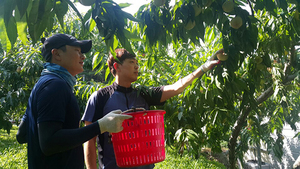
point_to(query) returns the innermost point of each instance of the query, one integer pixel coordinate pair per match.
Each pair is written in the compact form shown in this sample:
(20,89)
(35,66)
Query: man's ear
(115,65)
(55,55)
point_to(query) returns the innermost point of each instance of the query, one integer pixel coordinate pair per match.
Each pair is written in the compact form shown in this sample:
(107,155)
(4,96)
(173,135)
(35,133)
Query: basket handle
(126,111)
(134,110)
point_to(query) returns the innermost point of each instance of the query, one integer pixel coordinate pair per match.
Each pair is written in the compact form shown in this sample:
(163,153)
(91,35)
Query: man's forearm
(59,140)
(90,154)
(187,80)
(179,86)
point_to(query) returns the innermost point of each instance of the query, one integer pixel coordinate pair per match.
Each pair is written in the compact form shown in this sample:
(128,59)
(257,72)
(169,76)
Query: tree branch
(252,11)
(243,116)
(269,92)
(293,60)
(265,95)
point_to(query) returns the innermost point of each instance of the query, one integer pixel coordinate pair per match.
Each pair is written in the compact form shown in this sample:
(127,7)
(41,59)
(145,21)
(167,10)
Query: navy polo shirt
(116,97)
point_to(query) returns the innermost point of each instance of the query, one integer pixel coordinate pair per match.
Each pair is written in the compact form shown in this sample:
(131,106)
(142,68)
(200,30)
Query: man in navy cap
(50,124)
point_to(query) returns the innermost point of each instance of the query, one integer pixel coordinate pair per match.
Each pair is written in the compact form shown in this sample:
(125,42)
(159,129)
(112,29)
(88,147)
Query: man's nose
(83,56)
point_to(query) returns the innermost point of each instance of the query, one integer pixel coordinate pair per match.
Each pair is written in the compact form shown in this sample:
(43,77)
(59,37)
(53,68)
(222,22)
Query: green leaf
(267,60)
(242,84)
(61,8)
(8,10)
(115,44)
(45,9)
(277,88)
(32,19)
(21,27)
(180,114)
(109,44)
(297,135)
(2,3)
(131,36)
(107,72)
(271,7)
(124,41)
(124,5)
(3,36)
(96,59)
(92,25)
(282,4)
(218,84)
(10,22)
(253,35)
(49,25)
(149,62)
(11,30)
(22,6)
(22,31)
(259,5)
(88,15)
(129,16)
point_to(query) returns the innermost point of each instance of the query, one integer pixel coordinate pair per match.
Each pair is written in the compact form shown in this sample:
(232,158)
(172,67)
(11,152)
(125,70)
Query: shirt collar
(121,88)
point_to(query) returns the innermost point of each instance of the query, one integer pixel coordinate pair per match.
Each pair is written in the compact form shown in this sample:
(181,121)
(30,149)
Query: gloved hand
(211,62)
(112,122)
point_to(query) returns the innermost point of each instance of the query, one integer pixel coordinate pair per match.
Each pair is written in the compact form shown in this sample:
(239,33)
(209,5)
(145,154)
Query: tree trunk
(235,133)
(242,119)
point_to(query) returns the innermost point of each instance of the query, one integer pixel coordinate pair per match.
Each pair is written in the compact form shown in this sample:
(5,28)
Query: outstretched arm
(179,86)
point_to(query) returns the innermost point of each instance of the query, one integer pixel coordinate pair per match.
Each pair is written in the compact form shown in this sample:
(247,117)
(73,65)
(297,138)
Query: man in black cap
(50,124)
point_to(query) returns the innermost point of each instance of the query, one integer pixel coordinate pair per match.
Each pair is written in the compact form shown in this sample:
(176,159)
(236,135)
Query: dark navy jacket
(52,100)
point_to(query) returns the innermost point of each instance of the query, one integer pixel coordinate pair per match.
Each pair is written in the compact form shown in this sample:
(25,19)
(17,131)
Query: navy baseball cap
(59,40)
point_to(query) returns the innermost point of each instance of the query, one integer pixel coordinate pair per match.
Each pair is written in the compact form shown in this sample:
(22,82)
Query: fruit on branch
(19,69)
(208,3)
(236,22)
(260,66)
(197,9)
(228,6)
(190,25)
(258,59)
(222,56)
(296,15)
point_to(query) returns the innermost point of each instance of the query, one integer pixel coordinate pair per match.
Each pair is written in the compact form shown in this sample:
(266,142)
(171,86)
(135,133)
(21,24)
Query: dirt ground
(220,157)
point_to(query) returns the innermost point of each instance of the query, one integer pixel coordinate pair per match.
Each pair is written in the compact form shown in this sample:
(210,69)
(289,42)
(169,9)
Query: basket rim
(146,111)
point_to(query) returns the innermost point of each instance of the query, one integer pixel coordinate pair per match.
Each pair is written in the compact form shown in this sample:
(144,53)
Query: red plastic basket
(142,140)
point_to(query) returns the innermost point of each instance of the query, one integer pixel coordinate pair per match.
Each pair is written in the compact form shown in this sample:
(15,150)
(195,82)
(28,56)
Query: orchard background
(239,103)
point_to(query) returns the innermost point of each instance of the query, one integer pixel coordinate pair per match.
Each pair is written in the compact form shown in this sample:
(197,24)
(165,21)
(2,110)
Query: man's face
(129,69)
(72,59)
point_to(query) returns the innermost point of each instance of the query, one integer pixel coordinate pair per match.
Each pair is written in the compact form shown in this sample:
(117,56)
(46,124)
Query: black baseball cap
(59,40)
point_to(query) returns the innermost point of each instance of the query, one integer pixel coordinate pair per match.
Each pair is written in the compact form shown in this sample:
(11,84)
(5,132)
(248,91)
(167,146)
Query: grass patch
(174,160)
(14,156)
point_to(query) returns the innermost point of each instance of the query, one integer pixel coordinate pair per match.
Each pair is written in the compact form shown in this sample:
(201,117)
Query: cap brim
(85,45)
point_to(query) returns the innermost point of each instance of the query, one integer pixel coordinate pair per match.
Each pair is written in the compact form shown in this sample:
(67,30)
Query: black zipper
(126,100)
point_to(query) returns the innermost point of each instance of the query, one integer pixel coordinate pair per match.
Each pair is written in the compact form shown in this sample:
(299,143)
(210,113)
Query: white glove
(211,62)
(112,122)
